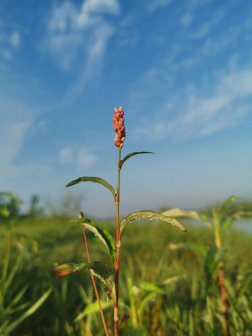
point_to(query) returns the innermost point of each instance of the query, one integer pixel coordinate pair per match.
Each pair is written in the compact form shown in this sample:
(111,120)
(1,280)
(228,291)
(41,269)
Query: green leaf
(4,212)
(102,272)
(150,215)
(197,248)
(29,312)
(94,180)
(213,258)
(18,297)
(224,206)
(98,269)
(93,308)
(172,280)
(182,213)
(149,297)
(151,287)
(66,269)
(226,222)
(229,200)
(133,154)
(103,235)
(10,277)
(205,219)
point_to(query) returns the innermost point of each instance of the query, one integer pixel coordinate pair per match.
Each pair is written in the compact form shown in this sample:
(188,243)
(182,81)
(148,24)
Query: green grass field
(163,280)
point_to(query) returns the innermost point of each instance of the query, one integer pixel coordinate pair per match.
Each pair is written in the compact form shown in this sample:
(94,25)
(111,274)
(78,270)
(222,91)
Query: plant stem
(224,299)
(221,279)
(118,245)
(94,284)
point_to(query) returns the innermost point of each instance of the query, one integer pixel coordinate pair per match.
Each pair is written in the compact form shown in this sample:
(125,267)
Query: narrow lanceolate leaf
(29,312)
(133,154)
(102,272)
(151,287)
(94,180)
(93,308)
(182,213)
(176,213)
(103,235)
(229,200)
(150,215)
(225,207)
(98,269)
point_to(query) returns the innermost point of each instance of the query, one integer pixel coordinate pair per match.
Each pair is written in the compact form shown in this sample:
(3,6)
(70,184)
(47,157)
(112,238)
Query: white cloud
(9,43)
(93,7)
(85,159)
(186,19)
(129,20)
(66,156)
(211,44)
(189,14)
(16,120)
(15,39)
(207,27)
(6,54)
(228,105)
(81,157)
(157,4)
(73,31)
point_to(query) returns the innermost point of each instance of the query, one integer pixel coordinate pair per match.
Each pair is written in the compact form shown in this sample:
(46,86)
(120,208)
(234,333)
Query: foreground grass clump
(163,282)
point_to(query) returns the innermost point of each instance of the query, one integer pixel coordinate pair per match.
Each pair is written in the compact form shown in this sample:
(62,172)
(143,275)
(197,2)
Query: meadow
(152,273)
(166,285)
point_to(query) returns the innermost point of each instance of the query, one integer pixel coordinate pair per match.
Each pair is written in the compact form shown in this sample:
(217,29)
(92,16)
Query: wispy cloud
(153,5)
(66,156)
(207,44)
(85,158)
(186,19)
(82,157)
(73,30)
(203,115)
(189,14)
(207,26)
(16,119)
(9,42)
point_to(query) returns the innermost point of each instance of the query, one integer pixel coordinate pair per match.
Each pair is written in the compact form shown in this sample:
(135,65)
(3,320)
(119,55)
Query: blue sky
(182,70)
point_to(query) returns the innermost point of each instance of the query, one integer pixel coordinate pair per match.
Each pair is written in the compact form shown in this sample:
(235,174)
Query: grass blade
(29,312)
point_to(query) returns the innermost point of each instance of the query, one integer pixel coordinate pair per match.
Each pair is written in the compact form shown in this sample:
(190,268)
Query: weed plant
(107,274)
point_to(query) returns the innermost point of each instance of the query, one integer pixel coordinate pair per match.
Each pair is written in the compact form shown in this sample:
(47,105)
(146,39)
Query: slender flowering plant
(109,274)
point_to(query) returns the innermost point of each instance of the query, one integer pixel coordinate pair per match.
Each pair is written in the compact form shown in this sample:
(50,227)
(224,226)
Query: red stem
(94,284)
(118,246)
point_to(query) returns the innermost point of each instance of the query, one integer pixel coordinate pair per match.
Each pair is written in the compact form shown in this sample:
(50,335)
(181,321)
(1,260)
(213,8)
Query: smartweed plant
(109,274)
